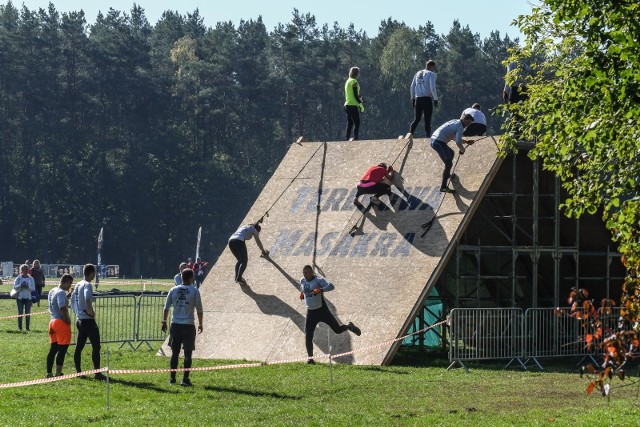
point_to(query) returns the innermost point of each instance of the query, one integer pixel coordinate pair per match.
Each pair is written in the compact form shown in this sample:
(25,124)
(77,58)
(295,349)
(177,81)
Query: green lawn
(418,392)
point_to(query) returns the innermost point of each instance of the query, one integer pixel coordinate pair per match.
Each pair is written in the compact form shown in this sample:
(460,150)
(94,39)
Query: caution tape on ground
(109,371)
(53,379)
(15,316)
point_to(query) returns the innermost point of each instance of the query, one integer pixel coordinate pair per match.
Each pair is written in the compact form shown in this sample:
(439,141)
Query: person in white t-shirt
(24,285)
(177,279)
(184,299)
(59,325)
(238,247)
(479,125)
(82,302)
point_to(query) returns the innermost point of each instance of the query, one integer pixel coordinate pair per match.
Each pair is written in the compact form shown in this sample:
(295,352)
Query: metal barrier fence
(485,334)
(522,337)
(149,316)
(128,319)
(553,333)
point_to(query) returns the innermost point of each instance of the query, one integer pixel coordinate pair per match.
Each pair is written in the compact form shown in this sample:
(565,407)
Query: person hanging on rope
(453,129)
(312,288)
(238,246)
(353,104)
(377,180)
(479,125)
(423,96)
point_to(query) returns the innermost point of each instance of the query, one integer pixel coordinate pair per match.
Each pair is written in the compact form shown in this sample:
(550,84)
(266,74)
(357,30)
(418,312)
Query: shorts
(59,332)
(181,335)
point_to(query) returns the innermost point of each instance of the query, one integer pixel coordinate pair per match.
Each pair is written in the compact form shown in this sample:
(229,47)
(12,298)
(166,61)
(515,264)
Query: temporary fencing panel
(150,310)
(553,332)
(485,334)
(116,318)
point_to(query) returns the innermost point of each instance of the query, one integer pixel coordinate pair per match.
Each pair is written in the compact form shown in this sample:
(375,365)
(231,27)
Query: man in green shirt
(353,104)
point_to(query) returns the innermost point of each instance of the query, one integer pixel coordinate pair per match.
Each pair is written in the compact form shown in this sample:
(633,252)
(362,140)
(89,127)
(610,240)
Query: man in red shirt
(377,180)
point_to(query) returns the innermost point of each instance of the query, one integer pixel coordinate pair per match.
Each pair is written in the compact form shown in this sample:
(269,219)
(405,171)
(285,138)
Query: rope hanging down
(427,225)
(266,213)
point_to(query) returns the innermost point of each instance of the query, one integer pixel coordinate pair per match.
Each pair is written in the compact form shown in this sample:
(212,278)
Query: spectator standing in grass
(59,325)
(177,279)
(38,277)
(24,285)
(185,300)
(82,302)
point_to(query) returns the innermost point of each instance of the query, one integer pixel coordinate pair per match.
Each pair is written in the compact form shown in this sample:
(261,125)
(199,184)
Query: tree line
(152,130)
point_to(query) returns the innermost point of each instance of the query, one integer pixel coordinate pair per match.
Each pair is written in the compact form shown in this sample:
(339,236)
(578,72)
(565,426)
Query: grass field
(417,391)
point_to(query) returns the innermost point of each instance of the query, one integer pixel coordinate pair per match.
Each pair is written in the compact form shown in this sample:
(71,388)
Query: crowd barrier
(520,336)
(128,319)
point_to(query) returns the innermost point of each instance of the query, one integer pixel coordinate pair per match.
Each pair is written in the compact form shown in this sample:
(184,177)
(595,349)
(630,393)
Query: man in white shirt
(82,302)
(424,96)
(312,288)
(479,125)
(184,299)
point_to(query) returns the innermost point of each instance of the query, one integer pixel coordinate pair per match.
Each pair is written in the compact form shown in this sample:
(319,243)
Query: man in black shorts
(311,289)
(185,299)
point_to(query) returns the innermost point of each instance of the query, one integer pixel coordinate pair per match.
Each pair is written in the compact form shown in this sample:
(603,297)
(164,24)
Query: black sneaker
(49,375)
(310,361)
(186,382)
(353,328)
(447,190)
(172,381)
(375,200)
(100,377)
(241,281)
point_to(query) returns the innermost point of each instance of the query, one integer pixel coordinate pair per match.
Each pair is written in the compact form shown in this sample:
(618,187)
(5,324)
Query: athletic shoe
(172,381)
(453,176)
(353,328)
(186,382)
(100,377)
(59,375)
(447,190)
(375,200)
(310,361)
(241,281)
(49,375)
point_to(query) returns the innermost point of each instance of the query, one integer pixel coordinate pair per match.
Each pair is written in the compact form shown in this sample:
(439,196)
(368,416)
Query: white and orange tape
(109,371)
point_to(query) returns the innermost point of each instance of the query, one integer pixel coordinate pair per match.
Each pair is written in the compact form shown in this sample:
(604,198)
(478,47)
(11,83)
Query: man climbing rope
(237,245)
(312,288)
(377,180)
(353,104)
(452,129)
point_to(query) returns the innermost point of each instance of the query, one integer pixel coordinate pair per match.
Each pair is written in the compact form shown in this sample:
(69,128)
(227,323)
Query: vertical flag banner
(198,245)
(99,255)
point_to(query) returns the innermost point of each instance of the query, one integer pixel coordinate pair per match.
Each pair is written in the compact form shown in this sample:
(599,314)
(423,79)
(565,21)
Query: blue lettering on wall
(289,243)
(285,242)
(336,196)
(303,193)
(362,245)
(383,244)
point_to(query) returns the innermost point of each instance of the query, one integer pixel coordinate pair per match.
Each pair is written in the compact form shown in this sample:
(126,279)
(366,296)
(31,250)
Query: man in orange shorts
(59,325)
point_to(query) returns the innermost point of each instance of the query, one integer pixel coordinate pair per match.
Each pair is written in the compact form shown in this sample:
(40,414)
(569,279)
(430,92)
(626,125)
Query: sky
(482,17)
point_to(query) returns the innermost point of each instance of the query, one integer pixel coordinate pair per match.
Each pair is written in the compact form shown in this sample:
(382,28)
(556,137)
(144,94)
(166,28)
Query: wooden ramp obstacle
(383,269)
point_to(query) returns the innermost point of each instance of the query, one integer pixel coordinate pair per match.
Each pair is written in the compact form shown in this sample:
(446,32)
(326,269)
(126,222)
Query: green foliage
(152,130)
(583,107)
(582,113)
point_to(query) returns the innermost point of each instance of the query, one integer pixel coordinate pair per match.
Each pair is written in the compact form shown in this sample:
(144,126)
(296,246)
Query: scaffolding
(521,251)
